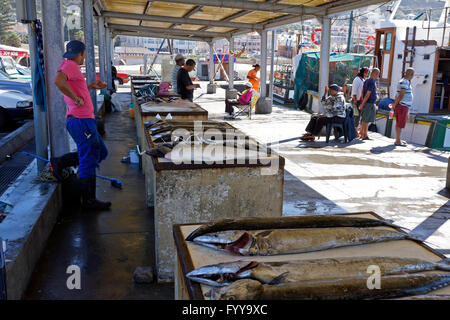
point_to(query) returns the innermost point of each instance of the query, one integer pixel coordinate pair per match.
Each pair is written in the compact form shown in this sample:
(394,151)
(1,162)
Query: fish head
(234,241)
(244,289)
(222,274)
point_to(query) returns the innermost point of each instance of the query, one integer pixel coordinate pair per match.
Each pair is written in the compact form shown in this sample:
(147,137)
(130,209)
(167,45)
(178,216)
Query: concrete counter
(245,181)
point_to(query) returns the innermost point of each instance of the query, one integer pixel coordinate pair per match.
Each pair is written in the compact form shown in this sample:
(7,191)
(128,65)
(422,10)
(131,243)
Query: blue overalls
(90,145)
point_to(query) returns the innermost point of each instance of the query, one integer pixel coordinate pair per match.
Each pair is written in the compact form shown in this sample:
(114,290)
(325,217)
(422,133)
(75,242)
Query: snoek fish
(285,241)
(353,288)
(224,274)
(313,221)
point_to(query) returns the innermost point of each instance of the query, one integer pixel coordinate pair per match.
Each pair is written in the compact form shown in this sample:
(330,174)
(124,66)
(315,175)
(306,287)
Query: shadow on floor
(300,199)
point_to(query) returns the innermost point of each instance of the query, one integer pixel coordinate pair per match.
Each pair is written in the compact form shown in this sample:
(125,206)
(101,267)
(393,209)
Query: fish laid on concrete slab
(354,288)
(224,274)
(312,221)
(287,241)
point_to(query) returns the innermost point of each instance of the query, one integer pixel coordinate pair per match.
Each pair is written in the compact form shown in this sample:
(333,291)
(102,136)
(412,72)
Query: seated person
(244,98)
(334,105)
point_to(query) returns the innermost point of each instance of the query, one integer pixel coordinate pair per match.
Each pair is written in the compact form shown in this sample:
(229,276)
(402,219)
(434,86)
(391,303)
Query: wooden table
(192,256)
(248,184)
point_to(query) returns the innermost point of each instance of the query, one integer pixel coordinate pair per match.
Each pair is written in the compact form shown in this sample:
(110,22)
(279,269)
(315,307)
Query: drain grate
(10,170)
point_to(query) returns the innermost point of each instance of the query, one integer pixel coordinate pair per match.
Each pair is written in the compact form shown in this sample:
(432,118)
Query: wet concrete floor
(107,246)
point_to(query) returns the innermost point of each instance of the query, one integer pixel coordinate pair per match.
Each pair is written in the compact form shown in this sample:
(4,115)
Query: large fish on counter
(224,274)
(287,241)
(312,221)
(353,288)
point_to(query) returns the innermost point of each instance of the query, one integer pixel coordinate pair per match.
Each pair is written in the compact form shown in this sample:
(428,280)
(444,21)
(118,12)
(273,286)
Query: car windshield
(9,65)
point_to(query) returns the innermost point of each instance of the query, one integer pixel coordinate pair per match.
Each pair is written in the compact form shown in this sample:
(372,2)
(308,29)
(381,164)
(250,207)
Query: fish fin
(444,264)
(279,279)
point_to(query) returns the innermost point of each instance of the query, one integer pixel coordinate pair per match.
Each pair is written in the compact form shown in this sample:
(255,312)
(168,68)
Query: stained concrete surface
(107,246)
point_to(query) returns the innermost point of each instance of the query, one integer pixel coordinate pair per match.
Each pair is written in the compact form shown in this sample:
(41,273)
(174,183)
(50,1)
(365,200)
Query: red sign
(10,53)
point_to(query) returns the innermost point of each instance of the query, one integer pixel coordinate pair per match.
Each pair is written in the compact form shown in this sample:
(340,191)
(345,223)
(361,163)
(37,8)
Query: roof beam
(147,6)
(326,9)
(164,32)
(246,5)
(158,35)
(182,20)
(187,15)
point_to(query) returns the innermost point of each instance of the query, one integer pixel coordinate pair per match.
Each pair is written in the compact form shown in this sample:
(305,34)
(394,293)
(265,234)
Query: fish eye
(231,298)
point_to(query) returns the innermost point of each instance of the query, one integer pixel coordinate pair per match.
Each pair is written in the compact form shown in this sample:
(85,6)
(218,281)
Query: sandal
(307,138)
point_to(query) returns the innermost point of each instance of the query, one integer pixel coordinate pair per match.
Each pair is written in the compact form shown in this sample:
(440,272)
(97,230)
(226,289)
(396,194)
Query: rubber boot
(58,164)
(88,190)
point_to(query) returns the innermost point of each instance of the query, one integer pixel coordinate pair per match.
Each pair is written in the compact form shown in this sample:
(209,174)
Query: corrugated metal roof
(222,18)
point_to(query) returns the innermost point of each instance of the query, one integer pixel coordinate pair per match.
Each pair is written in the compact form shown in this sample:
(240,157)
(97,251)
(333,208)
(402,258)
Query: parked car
(8,66)
(121,77)
(21,85)
(14,106)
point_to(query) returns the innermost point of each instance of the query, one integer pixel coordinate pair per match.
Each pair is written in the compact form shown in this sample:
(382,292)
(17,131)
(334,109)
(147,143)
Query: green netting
(342,65)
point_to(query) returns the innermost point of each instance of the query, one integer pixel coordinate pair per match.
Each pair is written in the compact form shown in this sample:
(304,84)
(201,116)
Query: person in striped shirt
(402,104)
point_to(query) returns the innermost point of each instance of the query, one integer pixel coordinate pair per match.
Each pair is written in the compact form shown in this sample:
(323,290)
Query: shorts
(401,115)
(368,113)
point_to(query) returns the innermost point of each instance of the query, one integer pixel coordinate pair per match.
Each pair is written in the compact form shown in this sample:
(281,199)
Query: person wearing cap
(244,98)
(179,62)
(334,105)
(185,86)
(253,78)
(81,125)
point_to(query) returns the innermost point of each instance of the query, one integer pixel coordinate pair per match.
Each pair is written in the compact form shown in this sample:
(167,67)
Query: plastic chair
(246,108)
(335,125)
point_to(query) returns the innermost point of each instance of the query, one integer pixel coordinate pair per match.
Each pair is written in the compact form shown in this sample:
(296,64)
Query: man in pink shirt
(81,124)
(244,98)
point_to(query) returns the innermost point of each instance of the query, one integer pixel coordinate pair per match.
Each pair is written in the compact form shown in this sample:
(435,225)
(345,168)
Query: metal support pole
(40,117)
(109,59)
(53,48)
(231,64)
(263,70)
(101,49)
(350,27)
(324,55)
(272,58)
(88,18)
(212,70)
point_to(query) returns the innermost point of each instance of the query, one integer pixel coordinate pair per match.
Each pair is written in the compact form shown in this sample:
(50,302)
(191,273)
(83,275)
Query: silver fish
(286,241)
(224,274)
(354,288)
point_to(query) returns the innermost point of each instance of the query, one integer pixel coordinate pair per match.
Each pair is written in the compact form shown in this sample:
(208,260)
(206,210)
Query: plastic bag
(117,106)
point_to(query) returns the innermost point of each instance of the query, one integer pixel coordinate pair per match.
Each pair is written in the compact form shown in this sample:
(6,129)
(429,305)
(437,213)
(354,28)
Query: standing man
(401,105)
(81,125)
(179,62)
(367,106)
(184,83)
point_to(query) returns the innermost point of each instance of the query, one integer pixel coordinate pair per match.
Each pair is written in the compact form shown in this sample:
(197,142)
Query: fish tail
(444,264)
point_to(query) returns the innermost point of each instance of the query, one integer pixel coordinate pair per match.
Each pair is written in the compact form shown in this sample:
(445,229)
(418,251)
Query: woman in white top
(357,88)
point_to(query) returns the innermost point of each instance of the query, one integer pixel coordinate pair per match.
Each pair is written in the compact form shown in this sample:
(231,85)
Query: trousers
(90,145)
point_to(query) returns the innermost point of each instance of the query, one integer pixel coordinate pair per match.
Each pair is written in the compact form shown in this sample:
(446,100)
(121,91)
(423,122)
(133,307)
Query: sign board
(11,53)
